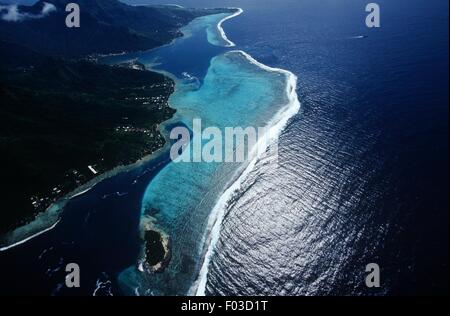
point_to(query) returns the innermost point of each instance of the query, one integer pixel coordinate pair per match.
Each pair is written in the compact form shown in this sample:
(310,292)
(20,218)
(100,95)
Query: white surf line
(80,193)
(175,5)
(229,44)
(220,28)
(151,5)
(29,238)
(46,229)
(277,125)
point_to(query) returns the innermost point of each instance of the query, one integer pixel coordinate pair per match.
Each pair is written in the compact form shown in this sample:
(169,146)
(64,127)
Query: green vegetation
(154,249)
(64,120)
(107,26)
(58,117)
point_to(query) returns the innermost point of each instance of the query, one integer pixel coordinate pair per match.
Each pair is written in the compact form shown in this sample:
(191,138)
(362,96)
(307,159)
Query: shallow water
(234,93)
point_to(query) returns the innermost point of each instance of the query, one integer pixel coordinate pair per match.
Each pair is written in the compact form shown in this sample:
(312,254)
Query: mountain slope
(57,117)
(107,26)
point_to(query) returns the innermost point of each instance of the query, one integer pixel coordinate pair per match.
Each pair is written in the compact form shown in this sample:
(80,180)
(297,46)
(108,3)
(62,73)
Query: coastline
(214,221)
(208,237)
(29,238)
(48,219)
(181,35)
(276,126)
(221,30)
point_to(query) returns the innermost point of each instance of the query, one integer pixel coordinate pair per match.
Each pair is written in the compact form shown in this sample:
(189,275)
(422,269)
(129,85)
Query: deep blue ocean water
(363,173)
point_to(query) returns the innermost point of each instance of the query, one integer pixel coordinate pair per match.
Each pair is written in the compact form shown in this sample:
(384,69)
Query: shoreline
(276,126)
(29,238)
(49,219)
(181,35)
(221,30)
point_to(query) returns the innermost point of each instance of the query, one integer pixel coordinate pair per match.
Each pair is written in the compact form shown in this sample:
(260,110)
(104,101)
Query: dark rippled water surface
(363,173)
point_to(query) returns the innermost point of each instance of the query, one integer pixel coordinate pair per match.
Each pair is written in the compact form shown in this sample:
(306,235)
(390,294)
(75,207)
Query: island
(157,250)
(67,120)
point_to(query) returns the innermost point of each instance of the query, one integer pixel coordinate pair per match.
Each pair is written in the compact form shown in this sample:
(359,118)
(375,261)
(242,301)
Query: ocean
(362,175)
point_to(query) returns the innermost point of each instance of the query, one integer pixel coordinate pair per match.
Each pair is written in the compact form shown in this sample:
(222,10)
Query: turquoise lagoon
(187,201)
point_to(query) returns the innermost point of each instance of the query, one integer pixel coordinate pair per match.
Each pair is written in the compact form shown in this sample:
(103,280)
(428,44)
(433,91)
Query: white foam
(29,238)
(357,37)
(81,193)
(40,220)
(222,32)
(276,126)
(103,285)
(175,5)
